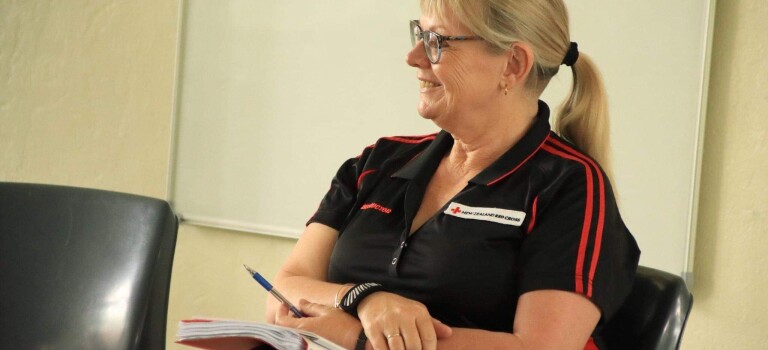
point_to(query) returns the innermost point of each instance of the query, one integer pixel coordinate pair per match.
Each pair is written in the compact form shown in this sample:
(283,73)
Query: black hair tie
(572,55)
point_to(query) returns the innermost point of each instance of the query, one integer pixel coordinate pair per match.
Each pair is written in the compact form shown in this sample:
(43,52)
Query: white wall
(86,98)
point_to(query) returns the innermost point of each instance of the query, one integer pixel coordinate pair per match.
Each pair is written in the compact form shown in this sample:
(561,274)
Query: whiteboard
(272,96)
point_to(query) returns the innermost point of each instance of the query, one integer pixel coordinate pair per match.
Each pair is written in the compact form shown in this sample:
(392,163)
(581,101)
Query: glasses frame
(441,40)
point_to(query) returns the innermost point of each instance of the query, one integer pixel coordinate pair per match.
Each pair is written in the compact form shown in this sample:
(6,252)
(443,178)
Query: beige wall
(86,95)
(731,266)
(85,92)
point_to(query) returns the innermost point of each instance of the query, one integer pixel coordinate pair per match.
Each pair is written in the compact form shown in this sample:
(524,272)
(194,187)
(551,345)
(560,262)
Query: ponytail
(583,117)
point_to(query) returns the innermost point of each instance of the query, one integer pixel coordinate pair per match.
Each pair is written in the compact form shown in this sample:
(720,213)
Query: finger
(395,341)
(442,330)
(426,329)
(411,339)
(282,315)
(377,339)
(312,309)
(306,308)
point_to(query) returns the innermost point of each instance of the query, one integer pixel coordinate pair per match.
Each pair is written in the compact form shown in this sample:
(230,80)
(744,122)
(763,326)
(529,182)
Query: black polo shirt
(542,216)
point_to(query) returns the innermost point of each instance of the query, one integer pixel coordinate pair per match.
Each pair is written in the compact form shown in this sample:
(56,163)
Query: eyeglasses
(433,42)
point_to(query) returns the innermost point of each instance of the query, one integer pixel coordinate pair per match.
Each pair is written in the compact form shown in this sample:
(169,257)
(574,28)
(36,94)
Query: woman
(495,232)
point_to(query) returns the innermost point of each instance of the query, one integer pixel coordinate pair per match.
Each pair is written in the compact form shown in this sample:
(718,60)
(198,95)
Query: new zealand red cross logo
(456,210)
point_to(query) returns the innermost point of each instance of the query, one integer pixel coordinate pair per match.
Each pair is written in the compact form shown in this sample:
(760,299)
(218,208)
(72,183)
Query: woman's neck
(475,148)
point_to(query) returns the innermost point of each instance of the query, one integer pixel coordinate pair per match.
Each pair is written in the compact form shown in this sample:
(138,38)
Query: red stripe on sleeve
(361,154)
(591,345)
(579,275)
(533,215)
(360,178)
(600,213)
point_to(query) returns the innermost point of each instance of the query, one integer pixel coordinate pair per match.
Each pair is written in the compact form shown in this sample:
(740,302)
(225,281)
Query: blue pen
(263,282)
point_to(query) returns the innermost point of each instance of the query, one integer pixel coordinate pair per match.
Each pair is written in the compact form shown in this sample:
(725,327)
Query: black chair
(653,316)
(83,268)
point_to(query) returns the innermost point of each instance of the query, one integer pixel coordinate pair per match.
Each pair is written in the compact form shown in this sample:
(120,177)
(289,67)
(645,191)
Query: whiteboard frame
(687,274)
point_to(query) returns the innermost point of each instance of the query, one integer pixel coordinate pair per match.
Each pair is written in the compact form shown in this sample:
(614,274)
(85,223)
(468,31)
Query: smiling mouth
(427,84)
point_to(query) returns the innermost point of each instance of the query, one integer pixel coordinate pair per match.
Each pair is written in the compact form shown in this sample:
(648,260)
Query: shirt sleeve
(341,197)
(579,242)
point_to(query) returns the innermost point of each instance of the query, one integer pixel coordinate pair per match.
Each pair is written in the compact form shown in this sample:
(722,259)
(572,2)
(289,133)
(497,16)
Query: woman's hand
(394,322)
(325,321)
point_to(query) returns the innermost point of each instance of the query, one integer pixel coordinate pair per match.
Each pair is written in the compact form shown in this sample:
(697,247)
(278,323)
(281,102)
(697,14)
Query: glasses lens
(432,46)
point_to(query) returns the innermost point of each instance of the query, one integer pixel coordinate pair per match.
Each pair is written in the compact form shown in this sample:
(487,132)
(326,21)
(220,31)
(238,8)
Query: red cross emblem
(456,210)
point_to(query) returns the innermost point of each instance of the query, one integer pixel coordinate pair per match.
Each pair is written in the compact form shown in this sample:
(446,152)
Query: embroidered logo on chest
(497,215)
(376,206)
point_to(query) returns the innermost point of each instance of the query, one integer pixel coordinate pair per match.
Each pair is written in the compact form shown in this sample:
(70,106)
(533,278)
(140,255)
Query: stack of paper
(236,335)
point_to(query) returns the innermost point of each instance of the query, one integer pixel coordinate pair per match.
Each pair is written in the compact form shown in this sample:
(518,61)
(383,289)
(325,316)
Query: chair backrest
(653,316)
(83,268)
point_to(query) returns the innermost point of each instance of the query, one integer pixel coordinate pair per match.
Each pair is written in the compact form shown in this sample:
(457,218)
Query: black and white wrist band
(356,294)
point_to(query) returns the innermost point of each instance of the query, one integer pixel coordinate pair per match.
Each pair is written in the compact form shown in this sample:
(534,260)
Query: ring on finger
(390,336)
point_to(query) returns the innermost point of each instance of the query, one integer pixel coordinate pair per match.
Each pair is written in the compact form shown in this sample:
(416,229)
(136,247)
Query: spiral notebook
(245,335)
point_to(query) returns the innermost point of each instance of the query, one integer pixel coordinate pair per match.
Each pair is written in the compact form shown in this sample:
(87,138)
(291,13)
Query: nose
(417,58)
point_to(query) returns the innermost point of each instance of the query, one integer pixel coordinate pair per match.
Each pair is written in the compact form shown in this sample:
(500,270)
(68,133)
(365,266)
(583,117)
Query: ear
(519,63)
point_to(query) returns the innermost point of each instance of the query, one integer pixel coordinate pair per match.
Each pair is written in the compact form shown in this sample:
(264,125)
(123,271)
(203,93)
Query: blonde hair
(543,24)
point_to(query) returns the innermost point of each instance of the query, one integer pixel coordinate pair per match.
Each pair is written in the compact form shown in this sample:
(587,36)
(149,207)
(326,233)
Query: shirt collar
(423,165)
(520,152)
